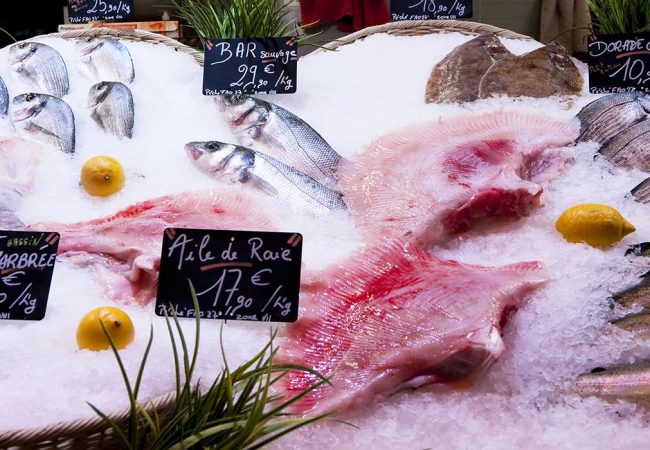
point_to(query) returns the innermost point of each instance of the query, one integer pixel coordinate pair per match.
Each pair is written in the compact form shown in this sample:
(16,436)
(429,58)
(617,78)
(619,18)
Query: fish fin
(263,185)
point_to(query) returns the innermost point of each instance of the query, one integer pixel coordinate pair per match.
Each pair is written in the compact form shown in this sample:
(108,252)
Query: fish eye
(30,97)
(237,99)
(212,146)
(89,39)
(100,86)
(22,45)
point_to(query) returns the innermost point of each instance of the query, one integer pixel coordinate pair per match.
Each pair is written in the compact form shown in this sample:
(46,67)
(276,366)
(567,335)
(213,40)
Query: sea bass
(4,98)
(104,59)
(124,249)
(604,118)
(112,108)
(543,72)
(40,67)
(46,118)
(456,78)
(246,166)
(630,383)
(432,181)
(630,148)
(397,317)
(273,130)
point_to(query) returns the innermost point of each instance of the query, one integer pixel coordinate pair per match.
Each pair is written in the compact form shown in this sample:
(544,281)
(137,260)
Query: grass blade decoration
(620,16)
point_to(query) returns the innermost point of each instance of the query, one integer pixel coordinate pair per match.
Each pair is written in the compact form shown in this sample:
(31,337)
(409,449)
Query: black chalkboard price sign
(430,9)
(250,66)
(619,63)
(237,275)
(80,11)
(26,266)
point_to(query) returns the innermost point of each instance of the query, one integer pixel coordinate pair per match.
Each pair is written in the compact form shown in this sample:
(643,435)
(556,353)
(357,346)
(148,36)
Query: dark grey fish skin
(40,66)
(630,383)
(112,108)
(642,249)
(4,98)
(635,295)
(104,59)
(243,165)
(273,130)
(630,148)
(457,76)
(604,118)
(46,118)
(641,192)
(637,324)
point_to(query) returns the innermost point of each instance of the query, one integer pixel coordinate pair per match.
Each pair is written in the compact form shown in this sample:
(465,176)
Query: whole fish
(635,295)
(243,165)
(604,118)
(642,249)
(457,76)
(641,192)
(112,107)
(275,131)
(104,59)
(4,98)
(543,72)
(627,383)
(630,148)
(45,117)
(40,66)
(637,324)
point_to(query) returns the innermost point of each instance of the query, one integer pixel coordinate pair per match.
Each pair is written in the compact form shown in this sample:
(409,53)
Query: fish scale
(40,67)
(630,147)
(112,107)
(104,59)
(4,98)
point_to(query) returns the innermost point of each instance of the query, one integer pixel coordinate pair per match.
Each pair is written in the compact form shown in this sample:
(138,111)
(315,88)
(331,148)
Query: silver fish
(281,134)
(4,98)
(630,148)
(40,66)
(630,383)
(641,192)
(638,294)
(243,165)
(604,118)
(45,117)
(10,221)
(637,324)
(104,59)
(112,107)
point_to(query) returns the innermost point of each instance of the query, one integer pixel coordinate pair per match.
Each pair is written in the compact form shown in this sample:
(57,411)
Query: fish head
(28,105)
(644,101)
(239,110)
(20,52)
(85,47)
(221,160)
(98,92)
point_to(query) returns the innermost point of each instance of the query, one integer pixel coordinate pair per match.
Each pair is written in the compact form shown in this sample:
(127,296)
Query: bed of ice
(350,96)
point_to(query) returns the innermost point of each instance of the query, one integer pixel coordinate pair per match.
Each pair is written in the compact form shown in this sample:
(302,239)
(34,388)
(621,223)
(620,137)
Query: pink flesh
(396,317)
(124,249)
(18,161)
(432,181)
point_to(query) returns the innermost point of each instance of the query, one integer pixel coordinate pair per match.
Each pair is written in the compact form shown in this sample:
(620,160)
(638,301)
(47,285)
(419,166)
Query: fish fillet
(124,249)
(433,180)
(396,317)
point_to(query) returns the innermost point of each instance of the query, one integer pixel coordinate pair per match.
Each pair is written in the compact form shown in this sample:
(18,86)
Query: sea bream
(604,118)
(40,67)
(432,181)
(124,249)
(630,148)
(45,118)
(637,295)
(111,104)
(4,98)
(394,317)
(104,59)
(641,192)
(273,130)
(242,165)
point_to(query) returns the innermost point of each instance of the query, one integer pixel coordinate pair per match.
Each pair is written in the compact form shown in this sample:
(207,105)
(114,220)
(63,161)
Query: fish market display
(40,67)
(112,107)
(630,148)
(541,73)
(396,317)
(104,59)
(4,98)
(45,118)
(246,166)
(637,324)
(635,295)
(456,78)
(641,192)
(604,118)
(432,181)
(629,383)
(273,130)
(124,249)
(19,159)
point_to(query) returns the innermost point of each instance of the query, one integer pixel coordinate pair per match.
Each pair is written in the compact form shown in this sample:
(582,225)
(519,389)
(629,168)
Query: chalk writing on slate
(619,63)
(80,11)
(430,9)
(250,66)
(237,275)
(26,266)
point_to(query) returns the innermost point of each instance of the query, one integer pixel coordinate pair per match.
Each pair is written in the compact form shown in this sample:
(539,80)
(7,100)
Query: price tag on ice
(237,275)
(430,9)
(250,66)
(80,11)
(619,63)
(26,266)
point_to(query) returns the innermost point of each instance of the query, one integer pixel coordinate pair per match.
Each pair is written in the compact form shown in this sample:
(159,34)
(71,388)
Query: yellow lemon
(102,176)
(595,224)
(90,334)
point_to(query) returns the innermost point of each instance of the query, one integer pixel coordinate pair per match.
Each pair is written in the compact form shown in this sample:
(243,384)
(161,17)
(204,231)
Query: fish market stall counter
(440,292)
